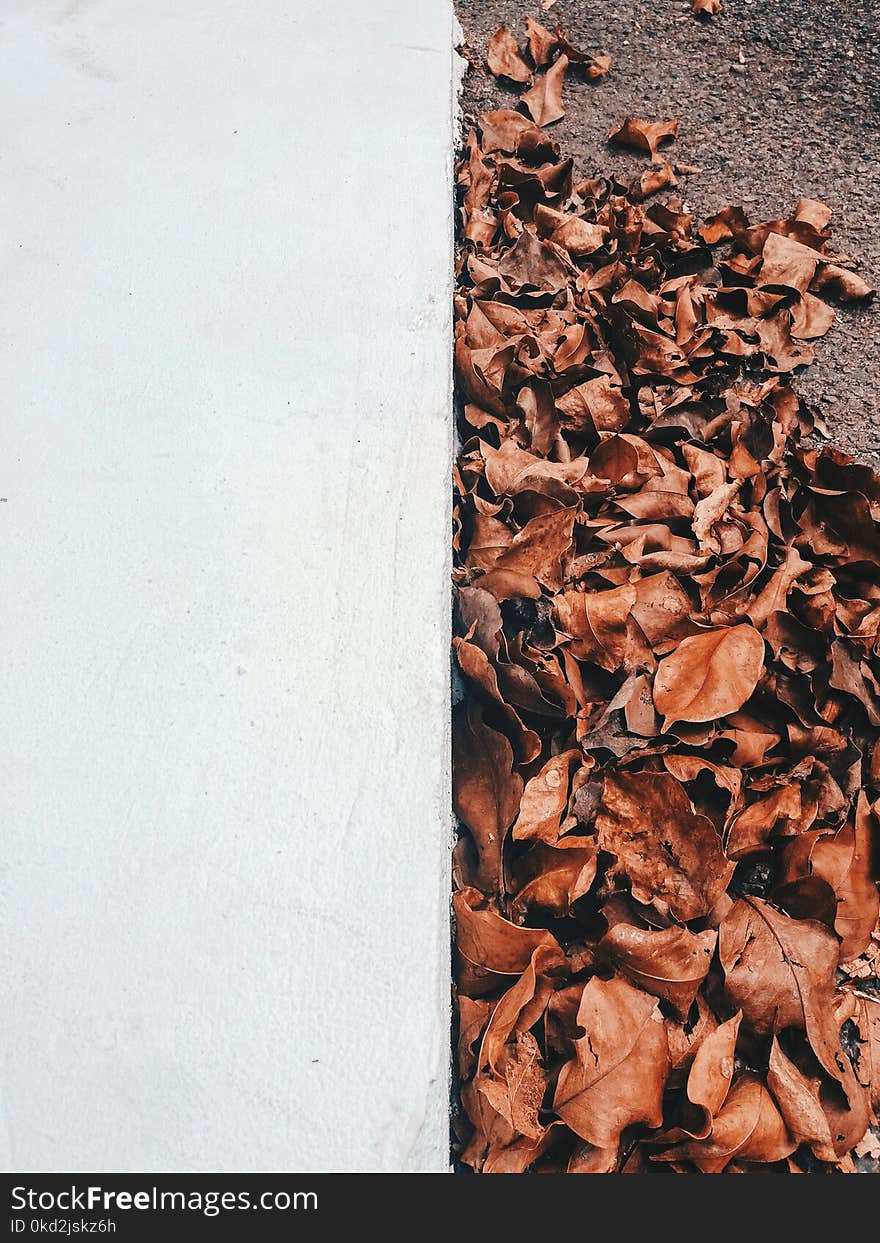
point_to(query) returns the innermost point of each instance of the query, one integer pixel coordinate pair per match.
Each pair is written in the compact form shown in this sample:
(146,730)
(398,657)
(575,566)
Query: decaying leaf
(544,100)
(620,1065)
(670,962)
(748,1127)
(797,1096)
(709,675)
(504,57)
(643,135)
(545,799)
(670,855)
(487,791)
(780,972)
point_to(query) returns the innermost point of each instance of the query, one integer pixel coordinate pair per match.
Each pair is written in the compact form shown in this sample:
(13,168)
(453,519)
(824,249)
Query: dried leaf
(544,100)
(671,963)
(780,973)
(486,791)
(504,57)
(797,1096)
(620,1065)
(681,868)
(709,675)
(749,1127)
(493,943)
(545,799)
(644,135)
(542,42)
(711,1074)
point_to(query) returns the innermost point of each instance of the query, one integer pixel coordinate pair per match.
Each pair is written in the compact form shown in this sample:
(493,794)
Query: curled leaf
(643,135)
(670,963)
(544,100)
(504,57)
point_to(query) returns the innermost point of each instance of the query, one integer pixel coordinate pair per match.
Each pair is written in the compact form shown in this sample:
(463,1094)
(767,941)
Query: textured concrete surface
(225,439)
(778,99)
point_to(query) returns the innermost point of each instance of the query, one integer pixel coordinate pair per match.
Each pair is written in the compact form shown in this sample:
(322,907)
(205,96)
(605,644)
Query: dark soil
(778,100)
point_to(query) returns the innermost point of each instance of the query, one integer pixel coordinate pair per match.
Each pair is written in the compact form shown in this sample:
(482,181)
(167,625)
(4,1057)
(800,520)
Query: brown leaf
(540,548)
(705,8)
(797,1096)
(653,180)
(533,264)
(671,855)
(844,863)
(493,943)
(517,1088)
(866,1017)
(644,135)
(552,879)
(473,1015)
(662,607)
(504,57)
(599,623)
(510,1072)
(506,130)
(711,1074)
(486,791)
(620,1065)
(671,963)
(748,1127)
(858,902)
(780,973)
(598,66)
(545,799)
(709,675)
(542,42)
(544,100)
(751,828)
(475,664)
(842,283)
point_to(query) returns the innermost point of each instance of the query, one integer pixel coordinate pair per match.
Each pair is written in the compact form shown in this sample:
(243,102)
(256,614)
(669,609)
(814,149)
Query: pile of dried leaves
(666,755)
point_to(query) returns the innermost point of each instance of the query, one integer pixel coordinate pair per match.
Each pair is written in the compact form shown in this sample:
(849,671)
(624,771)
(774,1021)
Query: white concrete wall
(225,436)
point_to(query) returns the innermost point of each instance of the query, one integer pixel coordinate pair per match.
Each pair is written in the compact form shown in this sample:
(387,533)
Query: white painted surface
(225,438)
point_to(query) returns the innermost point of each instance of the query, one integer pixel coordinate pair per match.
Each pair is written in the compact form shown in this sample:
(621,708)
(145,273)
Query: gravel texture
(778,100)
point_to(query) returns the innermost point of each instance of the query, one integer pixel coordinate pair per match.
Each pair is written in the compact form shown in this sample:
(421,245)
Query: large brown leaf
(671,855)
(620,1065)
(780,973)
(709,675)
